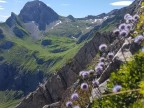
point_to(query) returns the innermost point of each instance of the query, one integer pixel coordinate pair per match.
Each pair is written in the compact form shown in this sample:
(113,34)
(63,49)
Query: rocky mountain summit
(39,12)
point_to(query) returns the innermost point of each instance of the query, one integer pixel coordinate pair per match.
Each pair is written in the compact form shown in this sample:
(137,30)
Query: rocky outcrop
(54,105)
(53,90)
(38,12)
(13,20)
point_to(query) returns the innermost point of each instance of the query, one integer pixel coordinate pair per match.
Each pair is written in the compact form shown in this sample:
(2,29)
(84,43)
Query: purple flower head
(85,74)
(95,83)
(116,32)
(130,20)
(84,86)
(136,17)
(81,72)
(138,39)
(102,59)
(99,69)
(127,16)
(110,55)
(122,26)
(76,107)
(68,104)
(117,88)
(124,33)
(74,97)
(103,47)
(101,64)
(129,26)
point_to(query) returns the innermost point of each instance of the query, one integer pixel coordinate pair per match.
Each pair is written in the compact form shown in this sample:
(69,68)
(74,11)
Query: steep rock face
(53,90)
(39,12)
(11,79)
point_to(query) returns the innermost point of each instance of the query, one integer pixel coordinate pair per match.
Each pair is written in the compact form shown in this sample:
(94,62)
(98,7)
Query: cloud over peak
(121,3)
(3,1)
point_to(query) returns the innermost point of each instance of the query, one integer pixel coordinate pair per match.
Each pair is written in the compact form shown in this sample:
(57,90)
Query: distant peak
(71,17)
(39,12)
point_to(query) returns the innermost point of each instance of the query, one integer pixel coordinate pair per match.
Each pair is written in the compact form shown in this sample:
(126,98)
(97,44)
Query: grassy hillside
(48,55)
(9,99)
(30,54)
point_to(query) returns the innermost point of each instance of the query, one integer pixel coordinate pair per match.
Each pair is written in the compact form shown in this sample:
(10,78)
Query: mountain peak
(38,12)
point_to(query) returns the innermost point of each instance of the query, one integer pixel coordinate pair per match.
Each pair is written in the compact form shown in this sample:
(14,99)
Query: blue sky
(77,8)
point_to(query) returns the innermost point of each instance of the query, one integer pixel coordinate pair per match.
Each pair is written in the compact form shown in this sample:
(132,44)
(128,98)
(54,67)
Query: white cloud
(1,8)
(121,3)
(3,1)
(65,4)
